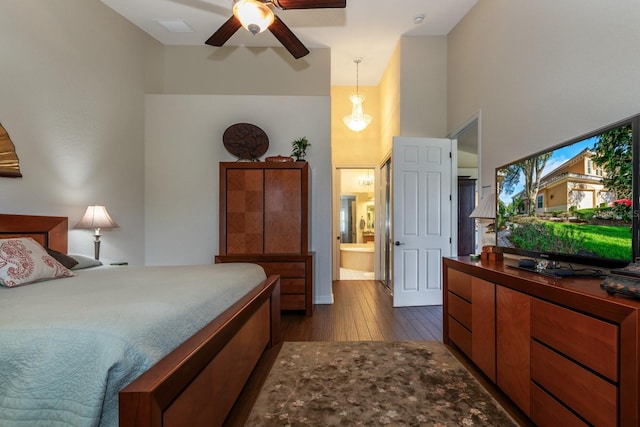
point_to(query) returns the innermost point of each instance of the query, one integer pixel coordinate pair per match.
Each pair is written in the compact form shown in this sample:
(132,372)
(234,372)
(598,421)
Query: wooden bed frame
(199,381)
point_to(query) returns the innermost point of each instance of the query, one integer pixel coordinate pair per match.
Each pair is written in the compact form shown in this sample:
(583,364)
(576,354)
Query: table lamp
(96,217)
(486,209)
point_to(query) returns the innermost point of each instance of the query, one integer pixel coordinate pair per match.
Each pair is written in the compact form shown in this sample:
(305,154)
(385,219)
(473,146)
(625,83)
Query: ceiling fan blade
(287,38)
(309,4)
(225,32)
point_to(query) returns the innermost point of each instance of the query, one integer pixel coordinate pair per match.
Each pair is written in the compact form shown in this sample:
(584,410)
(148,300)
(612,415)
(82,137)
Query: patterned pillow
(24,261)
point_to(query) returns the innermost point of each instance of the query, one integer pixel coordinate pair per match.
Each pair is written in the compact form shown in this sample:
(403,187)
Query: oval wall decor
(245,141)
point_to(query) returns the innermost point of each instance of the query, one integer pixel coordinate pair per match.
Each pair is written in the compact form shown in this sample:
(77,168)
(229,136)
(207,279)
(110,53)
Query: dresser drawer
(459,283)
(587,340)
(589,395)
(547,411)
(460,310)
(460,336)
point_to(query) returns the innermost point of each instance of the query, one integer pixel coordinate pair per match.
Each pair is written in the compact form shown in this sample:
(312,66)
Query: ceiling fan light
(357,120)
(254,16)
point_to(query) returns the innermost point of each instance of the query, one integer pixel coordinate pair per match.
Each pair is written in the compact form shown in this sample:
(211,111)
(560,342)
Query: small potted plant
(300,148)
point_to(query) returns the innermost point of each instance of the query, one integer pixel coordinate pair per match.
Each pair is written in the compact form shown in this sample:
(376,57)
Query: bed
(149,355)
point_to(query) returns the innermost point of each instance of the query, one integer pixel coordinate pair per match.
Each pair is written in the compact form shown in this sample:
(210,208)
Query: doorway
(469,160)
(356,224)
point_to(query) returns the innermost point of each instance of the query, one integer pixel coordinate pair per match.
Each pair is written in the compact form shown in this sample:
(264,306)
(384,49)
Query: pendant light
(357,120)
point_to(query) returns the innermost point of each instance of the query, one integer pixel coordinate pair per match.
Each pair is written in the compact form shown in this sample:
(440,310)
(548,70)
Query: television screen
(574,202)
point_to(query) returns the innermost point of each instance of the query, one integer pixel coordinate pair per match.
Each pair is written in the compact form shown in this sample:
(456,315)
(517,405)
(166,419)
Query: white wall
(542,72)
(183,146)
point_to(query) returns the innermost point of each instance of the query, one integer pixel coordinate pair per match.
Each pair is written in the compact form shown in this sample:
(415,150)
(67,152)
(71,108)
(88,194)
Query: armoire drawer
(292,286)
(284,269)
(292,302)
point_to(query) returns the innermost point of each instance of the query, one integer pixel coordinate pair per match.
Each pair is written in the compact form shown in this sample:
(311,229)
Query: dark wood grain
(49,231)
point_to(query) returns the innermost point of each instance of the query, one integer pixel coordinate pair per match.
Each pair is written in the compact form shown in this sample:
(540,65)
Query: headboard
(49,231)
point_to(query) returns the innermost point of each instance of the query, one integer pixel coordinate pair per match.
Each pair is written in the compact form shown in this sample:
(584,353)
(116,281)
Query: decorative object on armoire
(96,217)
(279,159)
(300,146)
(9,163)
(257,15)
(265,219)
(357,120)
(245,141)
(624,281)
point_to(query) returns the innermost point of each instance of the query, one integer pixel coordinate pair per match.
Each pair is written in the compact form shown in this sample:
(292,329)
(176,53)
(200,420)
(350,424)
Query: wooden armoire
(264,219)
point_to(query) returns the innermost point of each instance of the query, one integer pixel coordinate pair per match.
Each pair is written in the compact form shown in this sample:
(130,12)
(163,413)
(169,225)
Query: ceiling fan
(257,16)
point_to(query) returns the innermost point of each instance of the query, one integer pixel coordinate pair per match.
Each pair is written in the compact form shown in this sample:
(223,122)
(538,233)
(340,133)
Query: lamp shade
(96,216)
(486,208)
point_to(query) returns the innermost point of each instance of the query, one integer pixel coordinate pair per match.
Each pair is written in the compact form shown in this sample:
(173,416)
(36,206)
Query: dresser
(563,350)
(264,219)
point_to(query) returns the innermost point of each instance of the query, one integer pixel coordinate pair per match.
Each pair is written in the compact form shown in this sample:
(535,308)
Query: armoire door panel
(283,213)
(244,211)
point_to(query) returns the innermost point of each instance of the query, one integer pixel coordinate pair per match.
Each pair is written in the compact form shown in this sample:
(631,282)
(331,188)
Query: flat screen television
(576,202)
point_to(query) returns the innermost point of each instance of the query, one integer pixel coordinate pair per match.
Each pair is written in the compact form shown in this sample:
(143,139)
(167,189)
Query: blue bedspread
(68,346)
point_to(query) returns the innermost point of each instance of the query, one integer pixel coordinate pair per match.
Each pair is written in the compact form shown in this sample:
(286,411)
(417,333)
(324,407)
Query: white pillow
(24,261)
(84,262)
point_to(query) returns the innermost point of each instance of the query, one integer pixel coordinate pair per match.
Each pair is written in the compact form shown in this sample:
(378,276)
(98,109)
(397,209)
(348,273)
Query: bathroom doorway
(355,249)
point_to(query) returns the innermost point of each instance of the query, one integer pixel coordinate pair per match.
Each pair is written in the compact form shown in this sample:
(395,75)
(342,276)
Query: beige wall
(183,146)
(390,103)
(542,72)
(245,71)
(72,96)
(349,148)
(423,85)
(73,78)
(413,91)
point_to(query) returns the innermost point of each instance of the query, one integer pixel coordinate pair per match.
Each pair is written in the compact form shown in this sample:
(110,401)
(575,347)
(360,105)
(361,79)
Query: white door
(422,217)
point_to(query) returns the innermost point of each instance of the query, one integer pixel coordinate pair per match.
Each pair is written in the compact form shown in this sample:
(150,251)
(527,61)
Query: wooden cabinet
(264,219)
(513,346)
(471,319)
(566,352)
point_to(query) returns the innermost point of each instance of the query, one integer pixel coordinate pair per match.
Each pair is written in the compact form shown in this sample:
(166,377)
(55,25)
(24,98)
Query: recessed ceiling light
(175,25)
(418,19)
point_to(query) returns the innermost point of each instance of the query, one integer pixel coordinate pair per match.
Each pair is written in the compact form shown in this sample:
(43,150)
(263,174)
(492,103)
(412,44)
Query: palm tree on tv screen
(531,169)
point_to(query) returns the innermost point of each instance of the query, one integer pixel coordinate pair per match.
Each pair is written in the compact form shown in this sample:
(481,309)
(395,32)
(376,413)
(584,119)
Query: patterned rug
(372,383)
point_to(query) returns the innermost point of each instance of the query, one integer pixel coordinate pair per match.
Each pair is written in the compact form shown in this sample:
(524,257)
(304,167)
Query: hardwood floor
(362,311)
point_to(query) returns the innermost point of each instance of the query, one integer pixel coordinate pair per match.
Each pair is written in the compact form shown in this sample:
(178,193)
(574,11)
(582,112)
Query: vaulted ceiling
(368,29)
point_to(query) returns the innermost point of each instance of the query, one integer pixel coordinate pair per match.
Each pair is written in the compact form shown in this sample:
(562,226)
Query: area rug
(372,383)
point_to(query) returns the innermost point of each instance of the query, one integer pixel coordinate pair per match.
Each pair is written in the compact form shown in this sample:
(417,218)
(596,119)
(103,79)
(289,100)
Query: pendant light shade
(357,120)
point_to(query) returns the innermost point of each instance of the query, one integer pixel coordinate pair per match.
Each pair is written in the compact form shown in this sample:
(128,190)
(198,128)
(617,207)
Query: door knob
(397,243)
